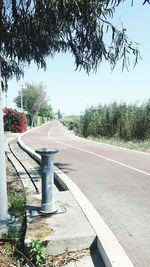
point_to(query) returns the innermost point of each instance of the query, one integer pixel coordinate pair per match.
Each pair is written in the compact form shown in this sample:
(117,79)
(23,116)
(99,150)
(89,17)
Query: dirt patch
(14,184)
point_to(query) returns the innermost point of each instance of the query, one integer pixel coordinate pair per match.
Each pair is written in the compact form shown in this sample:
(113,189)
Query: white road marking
(95,154)
(49,133)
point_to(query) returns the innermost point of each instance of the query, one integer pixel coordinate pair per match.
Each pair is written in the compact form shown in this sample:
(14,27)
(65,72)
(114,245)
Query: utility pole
(3,184)
(21,101)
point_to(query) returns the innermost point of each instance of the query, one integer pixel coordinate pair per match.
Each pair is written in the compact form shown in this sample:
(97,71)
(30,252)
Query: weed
(37,252)
(17,203)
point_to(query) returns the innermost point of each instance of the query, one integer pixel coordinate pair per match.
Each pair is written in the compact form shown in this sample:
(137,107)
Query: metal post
(21,101)
(47,168)
(3,184)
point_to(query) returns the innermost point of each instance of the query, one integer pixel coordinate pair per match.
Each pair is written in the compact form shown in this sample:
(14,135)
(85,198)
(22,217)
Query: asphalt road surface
(115,180)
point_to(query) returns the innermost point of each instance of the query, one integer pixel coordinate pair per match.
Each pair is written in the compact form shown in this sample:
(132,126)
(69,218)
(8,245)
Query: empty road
(115,180)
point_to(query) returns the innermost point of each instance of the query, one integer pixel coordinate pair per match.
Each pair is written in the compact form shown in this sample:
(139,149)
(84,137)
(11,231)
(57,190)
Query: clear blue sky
(72,91)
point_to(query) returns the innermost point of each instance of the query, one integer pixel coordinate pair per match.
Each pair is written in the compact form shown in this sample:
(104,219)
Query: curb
(109,247)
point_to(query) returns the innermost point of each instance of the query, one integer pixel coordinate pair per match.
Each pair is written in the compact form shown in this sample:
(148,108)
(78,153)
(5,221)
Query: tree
(46,111)
(34,29)
(34,97)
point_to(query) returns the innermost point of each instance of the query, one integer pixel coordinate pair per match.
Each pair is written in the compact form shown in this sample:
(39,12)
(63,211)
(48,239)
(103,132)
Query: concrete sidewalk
(67,229)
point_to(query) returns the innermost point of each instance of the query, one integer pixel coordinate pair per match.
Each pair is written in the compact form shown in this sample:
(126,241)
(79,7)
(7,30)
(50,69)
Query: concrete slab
(67,229)
(86,261)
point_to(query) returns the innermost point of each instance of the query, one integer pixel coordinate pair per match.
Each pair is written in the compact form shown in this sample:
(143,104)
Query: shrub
(14,121)
(37,252)
(72,123)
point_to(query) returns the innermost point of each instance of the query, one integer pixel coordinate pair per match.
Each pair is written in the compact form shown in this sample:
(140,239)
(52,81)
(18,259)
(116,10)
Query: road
(115,180)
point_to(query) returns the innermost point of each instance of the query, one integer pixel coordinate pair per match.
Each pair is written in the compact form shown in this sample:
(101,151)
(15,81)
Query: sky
(73,91)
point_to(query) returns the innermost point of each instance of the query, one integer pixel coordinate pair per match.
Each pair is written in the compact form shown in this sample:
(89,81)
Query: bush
(72,123)
(37,252)
(14,121)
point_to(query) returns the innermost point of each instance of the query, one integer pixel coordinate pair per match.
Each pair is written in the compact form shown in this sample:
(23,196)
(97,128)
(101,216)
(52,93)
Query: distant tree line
(125,121)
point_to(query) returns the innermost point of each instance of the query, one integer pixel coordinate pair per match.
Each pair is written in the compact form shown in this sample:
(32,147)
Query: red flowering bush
(14,121)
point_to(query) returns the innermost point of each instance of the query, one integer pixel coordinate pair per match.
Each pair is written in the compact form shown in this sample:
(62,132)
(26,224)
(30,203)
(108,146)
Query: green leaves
(34,99)
(128,122)
(14,121)
(37,252)
(34,29)
(46,111)
(146,1)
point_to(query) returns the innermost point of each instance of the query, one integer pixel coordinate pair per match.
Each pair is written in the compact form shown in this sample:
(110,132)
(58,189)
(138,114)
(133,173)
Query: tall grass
(128,122)
(72,123)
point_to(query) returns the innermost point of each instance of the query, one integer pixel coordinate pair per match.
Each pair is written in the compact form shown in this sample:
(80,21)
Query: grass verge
(134,144)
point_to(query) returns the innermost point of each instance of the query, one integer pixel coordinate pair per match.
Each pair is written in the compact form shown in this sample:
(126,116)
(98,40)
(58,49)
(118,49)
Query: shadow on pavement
(64,167)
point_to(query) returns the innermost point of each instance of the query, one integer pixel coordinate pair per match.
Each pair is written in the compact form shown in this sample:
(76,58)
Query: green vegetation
(17,203)
(37,252)
(120,124)
(134,144)
(14,121)
(72,123)
(33,253)
(128,122)
(35,102)
(16,231)
(33,30)
(46,111)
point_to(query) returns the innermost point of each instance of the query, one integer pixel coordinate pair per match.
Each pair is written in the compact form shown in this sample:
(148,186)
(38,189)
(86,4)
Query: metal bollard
(47,168)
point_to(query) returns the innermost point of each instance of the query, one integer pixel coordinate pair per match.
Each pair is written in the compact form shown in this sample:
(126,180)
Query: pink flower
(11,110)
(4,110)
